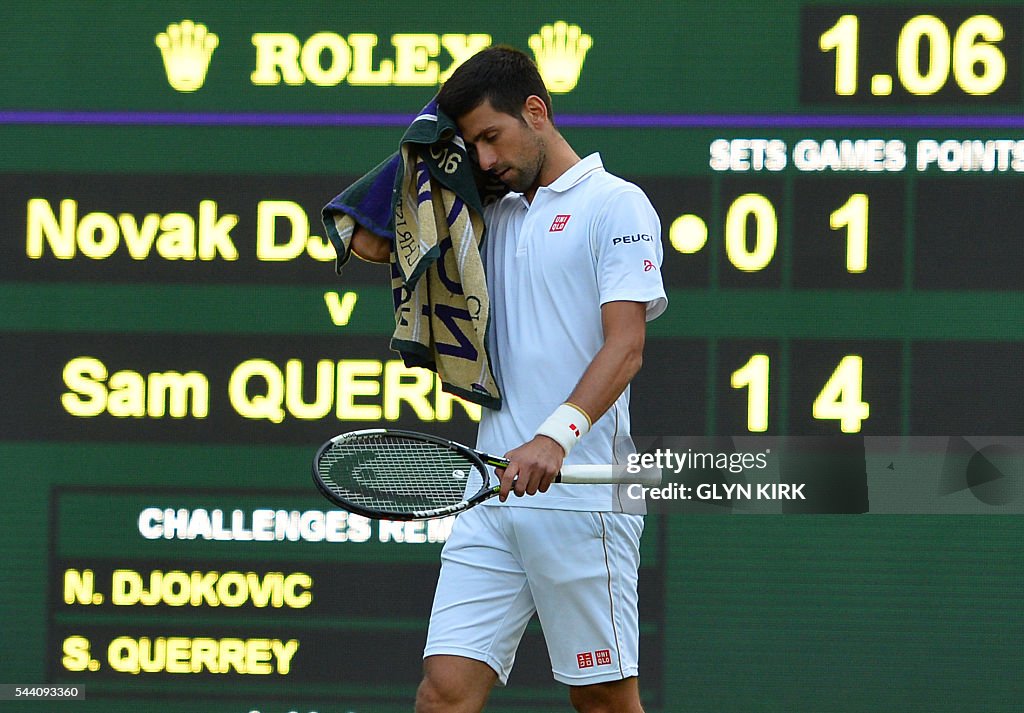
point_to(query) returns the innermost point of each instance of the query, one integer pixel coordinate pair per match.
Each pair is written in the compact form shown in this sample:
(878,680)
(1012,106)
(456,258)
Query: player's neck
(559,159)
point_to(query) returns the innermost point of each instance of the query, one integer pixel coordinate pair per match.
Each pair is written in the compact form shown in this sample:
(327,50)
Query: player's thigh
(483,600)
(583,570)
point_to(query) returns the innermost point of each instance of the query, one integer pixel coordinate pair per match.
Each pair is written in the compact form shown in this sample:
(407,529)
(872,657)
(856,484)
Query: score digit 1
(853,215)
(754,376)
(839,399)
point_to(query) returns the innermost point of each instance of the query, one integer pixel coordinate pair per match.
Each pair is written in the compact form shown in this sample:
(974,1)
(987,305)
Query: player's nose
(486,158)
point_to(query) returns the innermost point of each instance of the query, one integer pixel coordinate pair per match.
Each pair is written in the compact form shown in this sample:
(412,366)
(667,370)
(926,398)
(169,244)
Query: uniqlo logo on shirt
(558,225)
(603,657)
(585,660)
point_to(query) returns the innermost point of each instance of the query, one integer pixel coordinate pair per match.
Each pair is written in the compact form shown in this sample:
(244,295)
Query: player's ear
(535,111)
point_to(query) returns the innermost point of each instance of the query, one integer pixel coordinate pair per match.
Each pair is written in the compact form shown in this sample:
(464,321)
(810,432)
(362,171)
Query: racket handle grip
(597,474)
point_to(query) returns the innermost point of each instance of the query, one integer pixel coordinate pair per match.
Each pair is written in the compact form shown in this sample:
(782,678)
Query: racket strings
(394,474)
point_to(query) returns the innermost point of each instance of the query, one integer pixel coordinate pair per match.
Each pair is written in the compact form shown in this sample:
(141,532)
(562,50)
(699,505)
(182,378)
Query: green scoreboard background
(841,188)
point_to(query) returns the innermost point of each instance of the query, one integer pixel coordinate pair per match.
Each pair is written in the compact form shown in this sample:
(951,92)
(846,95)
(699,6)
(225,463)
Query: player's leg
(454,684)
(481,607)
(585,589)
(621,696)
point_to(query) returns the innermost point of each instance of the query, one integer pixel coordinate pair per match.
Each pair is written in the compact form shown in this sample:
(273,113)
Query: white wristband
(566,425)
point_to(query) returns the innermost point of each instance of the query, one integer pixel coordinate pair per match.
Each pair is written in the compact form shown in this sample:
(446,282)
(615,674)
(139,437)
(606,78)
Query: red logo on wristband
(575,430)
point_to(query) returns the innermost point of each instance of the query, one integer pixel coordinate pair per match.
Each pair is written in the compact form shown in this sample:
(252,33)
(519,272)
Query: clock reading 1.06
(958,55)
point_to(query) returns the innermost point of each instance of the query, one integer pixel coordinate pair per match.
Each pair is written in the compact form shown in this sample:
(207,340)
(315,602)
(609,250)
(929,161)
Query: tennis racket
(403,475)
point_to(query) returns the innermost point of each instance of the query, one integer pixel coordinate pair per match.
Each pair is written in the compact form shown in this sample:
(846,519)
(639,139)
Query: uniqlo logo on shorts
(558,225)
(585,660)
(603,657)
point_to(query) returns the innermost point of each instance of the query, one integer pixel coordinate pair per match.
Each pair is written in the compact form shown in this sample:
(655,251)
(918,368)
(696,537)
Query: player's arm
(617,362)
(536,463)
(370,247)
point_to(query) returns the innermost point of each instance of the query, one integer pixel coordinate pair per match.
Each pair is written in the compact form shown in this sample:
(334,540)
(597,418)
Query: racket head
(393,474)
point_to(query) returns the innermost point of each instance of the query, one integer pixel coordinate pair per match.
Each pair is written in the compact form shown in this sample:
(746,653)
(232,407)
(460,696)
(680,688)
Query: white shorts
(577,570)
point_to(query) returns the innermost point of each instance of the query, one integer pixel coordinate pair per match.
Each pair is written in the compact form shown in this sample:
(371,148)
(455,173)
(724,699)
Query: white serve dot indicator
(688,233)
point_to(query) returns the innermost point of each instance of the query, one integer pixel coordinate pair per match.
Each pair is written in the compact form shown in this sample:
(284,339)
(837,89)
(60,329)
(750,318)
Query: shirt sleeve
(628,251)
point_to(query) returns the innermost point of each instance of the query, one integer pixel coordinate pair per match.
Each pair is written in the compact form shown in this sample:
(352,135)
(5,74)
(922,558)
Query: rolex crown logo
(560,50)
(186,48)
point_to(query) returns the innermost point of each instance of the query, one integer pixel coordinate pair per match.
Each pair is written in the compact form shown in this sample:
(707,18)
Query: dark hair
(502,75)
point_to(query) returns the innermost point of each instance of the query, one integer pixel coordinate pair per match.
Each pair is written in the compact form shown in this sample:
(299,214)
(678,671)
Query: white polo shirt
(586,239)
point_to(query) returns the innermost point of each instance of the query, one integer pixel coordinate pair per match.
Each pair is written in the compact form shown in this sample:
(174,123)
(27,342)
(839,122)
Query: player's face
(509,148)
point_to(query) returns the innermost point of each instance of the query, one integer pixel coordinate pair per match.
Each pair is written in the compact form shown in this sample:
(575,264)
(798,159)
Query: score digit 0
(852,215)
(973,46)
(839,399)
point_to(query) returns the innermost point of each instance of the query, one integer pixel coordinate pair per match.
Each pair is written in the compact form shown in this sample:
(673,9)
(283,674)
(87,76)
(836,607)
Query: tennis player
(572,257)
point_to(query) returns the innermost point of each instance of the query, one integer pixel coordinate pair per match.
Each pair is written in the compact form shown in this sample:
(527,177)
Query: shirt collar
(577,173)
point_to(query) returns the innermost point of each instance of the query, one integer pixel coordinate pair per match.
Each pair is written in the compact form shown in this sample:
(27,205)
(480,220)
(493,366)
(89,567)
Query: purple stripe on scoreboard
(633,121)
(168,118)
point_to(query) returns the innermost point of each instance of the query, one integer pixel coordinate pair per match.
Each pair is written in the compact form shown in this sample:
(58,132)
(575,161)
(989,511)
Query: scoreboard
(841,189)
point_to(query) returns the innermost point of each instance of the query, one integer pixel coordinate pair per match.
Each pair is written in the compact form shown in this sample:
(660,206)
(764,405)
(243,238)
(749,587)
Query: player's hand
(532,468)
(370,247)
